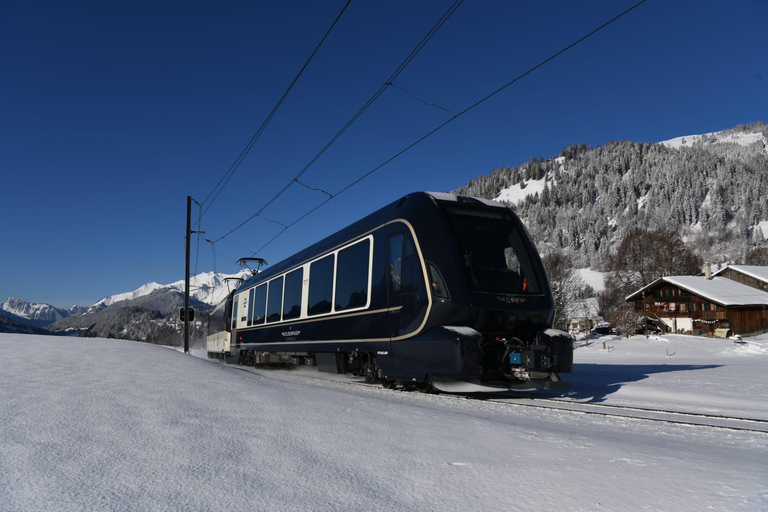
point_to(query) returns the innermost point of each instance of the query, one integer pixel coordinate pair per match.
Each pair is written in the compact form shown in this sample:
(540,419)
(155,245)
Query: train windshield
(496,252)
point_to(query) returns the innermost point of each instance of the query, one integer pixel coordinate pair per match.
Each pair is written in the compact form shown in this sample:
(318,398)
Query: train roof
(362,226)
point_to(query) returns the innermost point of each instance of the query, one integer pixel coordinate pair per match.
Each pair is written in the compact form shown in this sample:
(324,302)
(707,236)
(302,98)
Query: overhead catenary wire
(412,55)
(199,233)
(441,126)
(424,137)
(489,96)
(239,160)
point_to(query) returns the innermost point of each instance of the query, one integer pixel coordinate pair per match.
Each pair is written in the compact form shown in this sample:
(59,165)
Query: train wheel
(425,387)
(389,384)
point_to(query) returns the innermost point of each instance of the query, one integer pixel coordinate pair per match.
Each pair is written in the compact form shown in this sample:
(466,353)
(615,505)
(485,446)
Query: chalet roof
(720,290)
(759,273)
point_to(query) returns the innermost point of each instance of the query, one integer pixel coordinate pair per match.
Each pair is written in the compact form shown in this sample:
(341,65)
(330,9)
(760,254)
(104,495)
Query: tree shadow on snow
(594,382)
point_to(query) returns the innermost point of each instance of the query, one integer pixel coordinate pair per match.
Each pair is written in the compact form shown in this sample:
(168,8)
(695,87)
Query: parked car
(602,329)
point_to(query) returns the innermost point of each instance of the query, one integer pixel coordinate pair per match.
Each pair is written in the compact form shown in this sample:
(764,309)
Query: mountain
(151,317)
(710,188)
(109,317)
(36,313)
(150,312)
(12,324)
(208,287)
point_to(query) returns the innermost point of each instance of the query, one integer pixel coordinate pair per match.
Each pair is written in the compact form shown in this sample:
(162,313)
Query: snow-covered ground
(91,424)
(593,278)
(740,138)
(519,192)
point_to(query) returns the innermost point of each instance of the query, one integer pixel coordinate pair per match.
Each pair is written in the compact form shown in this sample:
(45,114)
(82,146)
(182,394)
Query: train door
(405,284)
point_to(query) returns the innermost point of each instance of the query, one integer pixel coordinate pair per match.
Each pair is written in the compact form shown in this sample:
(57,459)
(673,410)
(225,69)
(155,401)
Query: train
(434,292)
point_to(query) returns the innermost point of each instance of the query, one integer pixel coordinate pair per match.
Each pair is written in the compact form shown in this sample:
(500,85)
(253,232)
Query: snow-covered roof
(720,290)
(757,272)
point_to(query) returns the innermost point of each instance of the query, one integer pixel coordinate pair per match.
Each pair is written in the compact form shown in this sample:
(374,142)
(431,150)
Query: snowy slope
(116,425)
(518,193)
(742,139)
(593,278)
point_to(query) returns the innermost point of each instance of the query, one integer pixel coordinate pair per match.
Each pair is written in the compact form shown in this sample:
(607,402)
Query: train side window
(402,264)
(352,276)
(234,313)
(259,304)
(250,309)
(321,285)
(439,289)
(292,296)
(275,300)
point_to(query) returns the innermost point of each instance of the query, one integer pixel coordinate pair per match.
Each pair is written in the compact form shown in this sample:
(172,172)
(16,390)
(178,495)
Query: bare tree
(643,257)
(567,287)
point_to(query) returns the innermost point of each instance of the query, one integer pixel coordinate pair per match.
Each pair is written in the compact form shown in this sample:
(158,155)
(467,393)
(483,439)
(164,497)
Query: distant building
(736,299)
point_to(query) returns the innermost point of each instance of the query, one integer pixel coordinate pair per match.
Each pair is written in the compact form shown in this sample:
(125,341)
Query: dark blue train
(431,291)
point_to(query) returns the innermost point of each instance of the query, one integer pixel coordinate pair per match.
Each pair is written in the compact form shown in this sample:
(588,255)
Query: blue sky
(111,113)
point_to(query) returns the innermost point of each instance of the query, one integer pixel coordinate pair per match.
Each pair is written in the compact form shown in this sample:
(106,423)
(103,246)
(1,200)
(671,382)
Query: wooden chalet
(750,275)
(701,304)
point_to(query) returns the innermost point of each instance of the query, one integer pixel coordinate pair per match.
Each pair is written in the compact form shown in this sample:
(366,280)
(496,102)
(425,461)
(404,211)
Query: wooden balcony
(713,315)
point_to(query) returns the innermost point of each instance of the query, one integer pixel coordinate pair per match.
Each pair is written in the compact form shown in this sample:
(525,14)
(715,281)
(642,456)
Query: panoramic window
(496,252)
(259,304)
(352,276)
(321,285)
(250,309)
(275,300)
(292,296)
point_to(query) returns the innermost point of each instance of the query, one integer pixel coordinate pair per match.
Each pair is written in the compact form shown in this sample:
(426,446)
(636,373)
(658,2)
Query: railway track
(636,413)
(597,409)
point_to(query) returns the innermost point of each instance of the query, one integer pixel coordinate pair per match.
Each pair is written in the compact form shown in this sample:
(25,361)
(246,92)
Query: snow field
(93,424)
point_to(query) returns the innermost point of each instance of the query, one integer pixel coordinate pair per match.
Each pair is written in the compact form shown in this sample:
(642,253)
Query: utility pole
(186,276)
(188,313)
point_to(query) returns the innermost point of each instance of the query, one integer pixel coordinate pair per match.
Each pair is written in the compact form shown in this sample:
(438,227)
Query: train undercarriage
(473,363)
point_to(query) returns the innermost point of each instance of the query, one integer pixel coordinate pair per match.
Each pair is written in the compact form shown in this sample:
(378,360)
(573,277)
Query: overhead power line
(441,126)
(432,31)
(239,160)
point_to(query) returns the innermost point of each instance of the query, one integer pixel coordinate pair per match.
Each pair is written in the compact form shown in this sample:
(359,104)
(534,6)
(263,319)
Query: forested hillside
(712,189)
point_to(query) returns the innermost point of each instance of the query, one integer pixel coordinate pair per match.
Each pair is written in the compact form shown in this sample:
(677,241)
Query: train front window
(496,252)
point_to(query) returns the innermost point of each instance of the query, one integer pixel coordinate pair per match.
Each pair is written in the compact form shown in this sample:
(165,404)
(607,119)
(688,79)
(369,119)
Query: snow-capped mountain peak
(39,313)
(208,287)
